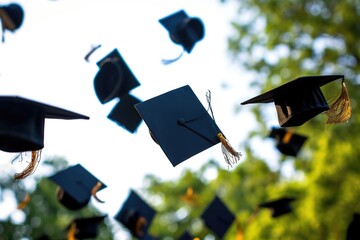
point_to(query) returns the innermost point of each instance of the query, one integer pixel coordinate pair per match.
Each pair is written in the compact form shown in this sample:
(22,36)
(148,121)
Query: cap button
(181,121)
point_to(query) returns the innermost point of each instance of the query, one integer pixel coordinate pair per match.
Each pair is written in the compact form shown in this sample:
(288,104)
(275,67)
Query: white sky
(44,61)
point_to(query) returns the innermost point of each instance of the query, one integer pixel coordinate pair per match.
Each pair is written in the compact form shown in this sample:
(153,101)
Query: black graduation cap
(279,206)
(218,217)
(114,78)
(11,16)
(77,185)
(136,215)
(300,100)
(184,30)
(186,236)
(85,228)
(353,230)
(22,123)
(125,114)
(181,125)
(287,142)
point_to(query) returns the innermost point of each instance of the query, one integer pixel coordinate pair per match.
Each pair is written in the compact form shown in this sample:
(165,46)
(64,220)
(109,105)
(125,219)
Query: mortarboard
(288,142)
(124,113)
(279,206)
(180,124)
(84,228)
(186,236)
(136,215)
(77,185)
(300,100)
(114,78)
(353,230)
(218,217)
(184,30)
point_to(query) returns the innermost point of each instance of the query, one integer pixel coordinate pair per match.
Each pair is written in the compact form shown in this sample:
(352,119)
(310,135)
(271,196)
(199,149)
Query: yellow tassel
(230,154)
(30,169)
(139,224)
(287,137)
(239,232)
(190,197)
(72,232)
(24,202)
(95,189)
(340,110)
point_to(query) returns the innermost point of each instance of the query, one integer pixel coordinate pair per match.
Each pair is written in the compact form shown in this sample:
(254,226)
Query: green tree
(279,41)
(44,214)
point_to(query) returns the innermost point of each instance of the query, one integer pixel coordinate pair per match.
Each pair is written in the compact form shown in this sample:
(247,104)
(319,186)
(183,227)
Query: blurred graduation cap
(22,126)
(136,215)
(115,80)
(11,16)
(183,30)
(353,230)
(288,142)
(125,114)
(76,186)
(279,206)
(218,217)
(179,123)
(300,100)
(85,228)
(186,236)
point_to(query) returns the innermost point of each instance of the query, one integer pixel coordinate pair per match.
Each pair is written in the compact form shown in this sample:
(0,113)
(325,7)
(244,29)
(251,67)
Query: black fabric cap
(125,114)
(186,236)
(22,123)
(287,142)
(279,206)
(218,217)
(77,184)
(114,78)
(353,230)
(136,215)
(297,101)
(12,16)
(87,227)
(179,123)
(184,30)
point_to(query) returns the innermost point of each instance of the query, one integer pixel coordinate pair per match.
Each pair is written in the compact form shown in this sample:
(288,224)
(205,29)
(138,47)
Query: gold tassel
(139,224)
(287,137)
(24,202)
(190,197)
(72,232)
(340,110)
(231,156)
(239,231)
(30,169)
(95,189)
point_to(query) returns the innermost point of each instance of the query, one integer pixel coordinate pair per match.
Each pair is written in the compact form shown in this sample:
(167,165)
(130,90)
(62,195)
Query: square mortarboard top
(279,206)
(22,123)
(353,230)
(77,184)
(184,30)
(11,16)
(179,123)
(218,217)
(114,78)
(125,114)
(136,215)
(85,228)
(299,100)
(288,142)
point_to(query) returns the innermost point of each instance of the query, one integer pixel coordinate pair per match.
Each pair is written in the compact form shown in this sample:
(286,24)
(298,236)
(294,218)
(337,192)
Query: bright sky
(44,61)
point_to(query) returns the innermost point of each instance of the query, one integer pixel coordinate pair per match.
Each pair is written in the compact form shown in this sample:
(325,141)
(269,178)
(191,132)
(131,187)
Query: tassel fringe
(340,109)
(72,232)
(139,224)
(30,169)
(95,189)
(24,202)
(230,154)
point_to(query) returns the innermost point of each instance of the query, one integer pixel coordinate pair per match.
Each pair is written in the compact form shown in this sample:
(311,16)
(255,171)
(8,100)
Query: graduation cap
(76,186)
(186,236)
(22,126)
(11,17)
(288,142)
(85,228)
(114,78)
(182,127)
(279,206)
(218,217)
(300,100)
(353,230)
(124,113)
(136,215)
